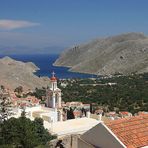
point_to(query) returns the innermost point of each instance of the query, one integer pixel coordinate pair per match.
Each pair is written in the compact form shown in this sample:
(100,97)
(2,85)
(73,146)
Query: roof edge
(114,135)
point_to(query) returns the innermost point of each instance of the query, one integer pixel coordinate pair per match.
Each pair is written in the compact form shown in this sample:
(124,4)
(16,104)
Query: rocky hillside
(16,73)
(125,53)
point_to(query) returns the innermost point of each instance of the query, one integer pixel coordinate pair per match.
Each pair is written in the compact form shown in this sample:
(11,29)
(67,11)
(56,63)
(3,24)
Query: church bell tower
(53,94)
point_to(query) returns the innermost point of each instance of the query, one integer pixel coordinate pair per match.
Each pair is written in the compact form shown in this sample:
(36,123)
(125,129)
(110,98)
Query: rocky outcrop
(126,53)
(16,73)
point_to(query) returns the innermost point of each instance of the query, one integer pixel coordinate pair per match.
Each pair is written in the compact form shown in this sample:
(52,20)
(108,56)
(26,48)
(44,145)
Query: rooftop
(53,79)
(79,125)
(133,132)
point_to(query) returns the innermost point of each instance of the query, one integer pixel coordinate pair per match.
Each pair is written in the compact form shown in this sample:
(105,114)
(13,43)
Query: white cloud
(15,24)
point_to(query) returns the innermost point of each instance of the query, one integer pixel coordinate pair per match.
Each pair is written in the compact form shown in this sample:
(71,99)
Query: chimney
(100,117)
(88,114)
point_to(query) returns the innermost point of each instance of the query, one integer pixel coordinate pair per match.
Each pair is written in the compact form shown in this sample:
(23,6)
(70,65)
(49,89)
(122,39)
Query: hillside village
(73,73)
(53,105)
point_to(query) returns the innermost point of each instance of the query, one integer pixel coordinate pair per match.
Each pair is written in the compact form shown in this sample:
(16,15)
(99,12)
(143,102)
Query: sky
(53,25)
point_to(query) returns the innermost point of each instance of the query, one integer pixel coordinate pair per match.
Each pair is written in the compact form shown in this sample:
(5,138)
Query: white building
(53,111)
(73,126)
(53,94)
(47,114)
(53,98)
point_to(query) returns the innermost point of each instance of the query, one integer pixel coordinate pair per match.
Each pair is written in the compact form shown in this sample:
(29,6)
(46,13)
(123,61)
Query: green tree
(70,114)
(2,87)
(5,107)
(39,93)
(24,133)
(129,94)
(19,90)
(42,134)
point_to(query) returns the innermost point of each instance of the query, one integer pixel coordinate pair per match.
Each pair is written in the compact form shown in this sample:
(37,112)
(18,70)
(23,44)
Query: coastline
(46,66)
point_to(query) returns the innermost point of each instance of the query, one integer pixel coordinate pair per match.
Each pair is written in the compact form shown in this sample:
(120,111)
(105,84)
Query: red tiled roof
(133,132)
(53,78)
(124,113)
(77,113)
(23,104)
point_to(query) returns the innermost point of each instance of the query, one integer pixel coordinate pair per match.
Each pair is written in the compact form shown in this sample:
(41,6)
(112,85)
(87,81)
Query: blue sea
(45,63)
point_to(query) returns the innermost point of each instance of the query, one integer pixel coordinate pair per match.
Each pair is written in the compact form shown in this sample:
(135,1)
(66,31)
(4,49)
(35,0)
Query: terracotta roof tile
(133,131)
(130,146)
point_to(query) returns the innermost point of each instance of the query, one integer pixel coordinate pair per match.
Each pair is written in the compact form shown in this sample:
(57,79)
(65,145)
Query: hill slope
(125,53)
(16,73)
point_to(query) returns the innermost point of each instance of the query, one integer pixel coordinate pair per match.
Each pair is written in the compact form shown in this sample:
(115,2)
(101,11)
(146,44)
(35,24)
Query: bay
(45,63)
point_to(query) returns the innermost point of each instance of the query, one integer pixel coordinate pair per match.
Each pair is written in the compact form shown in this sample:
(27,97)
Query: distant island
(125,54)
(16,73)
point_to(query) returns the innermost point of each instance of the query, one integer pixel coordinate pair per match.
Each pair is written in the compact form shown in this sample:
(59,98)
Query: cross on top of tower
(53,78)
(53,74)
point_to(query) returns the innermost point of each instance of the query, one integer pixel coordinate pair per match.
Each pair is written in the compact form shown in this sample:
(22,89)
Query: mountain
(125,53)
(16,73)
